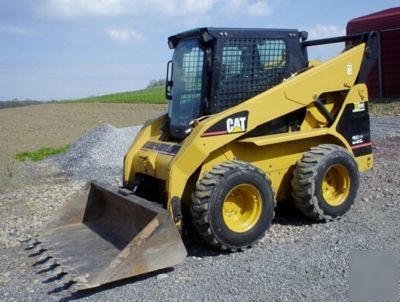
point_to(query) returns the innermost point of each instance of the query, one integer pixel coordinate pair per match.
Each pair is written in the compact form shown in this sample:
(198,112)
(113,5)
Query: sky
(62,49)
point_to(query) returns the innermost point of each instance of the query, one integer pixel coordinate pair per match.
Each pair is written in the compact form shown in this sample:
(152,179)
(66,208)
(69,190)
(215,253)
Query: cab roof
(208,34)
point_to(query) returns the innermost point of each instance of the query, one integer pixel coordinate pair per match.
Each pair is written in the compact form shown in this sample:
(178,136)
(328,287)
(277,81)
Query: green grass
(154,95)
(40,154)
(385,107)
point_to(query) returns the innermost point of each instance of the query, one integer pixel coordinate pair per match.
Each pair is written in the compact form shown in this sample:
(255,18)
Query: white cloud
(183,7)
(124,35)
(325,31)
(259,8)
(246,7)
(80,8)
(324,52)
(166,8)
(14,30)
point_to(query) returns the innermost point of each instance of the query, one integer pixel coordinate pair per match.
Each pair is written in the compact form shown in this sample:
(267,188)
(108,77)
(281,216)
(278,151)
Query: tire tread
(202,196)
(303,182)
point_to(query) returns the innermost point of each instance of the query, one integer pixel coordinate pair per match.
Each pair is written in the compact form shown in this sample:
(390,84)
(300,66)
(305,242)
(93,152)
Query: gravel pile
(298,260)
(98,154)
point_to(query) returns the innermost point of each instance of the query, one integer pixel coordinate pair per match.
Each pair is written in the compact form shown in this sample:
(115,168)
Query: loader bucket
(102,235)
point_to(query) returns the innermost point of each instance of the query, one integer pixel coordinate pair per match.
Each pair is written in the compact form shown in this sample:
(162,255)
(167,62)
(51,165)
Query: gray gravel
(382,127)
(25,210)
(296,261)
(98,154)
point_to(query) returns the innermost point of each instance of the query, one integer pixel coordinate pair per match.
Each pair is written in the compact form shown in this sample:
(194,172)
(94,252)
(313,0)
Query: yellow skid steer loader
(251,121)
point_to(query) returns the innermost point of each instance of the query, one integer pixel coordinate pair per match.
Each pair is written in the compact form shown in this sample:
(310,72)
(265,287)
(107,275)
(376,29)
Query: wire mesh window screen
(193,70)
(250,66)
(187,77)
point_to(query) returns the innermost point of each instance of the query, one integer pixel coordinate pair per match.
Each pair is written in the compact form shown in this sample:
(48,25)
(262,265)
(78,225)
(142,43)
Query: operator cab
(213,69)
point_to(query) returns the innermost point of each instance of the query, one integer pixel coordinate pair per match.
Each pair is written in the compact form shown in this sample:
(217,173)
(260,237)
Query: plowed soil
(54,125)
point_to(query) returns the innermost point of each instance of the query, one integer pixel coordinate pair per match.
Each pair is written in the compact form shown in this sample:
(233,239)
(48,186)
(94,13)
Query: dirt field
(54,125)
(297,260)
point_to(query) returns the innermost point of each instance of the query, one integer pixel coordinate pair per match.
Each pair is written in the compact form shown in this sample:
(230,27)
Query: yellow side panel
(365,162)
(277,160)
(152,128)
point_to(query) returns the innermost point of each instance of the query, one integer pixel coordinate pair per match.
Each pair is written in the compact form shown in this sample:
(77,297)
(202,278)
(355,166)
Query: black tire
(208,211)
(311,174)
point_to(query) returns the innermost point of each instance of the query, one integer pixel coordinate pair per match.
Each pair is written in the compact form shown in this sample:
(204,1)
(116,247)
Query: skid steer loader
(251,121)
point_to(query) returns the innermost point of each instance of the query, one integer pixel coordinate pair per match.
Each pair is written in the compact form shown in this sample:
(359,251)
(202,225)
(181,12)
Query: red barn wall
(387,22)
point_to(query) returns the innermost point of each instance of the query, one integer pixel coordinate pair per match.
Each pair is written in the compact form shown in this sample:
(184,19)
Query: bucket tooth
(58,276)
(31,246)
(68,285)
(75,287)
(38,250)
(81,279)
(26,241)
(37,246)
(65,279)
(43,258)
(67,269)
(64,261)
(64,269)
(53,246)
(76,283)
(62,282)
(48,265)
(41,239)
(31,240)
(56,271)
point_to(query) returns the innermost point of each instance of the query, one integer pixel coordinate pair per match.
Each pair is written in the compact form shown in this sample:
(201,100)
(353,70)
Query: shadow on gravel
(286,213)
(89,292)
(196,247)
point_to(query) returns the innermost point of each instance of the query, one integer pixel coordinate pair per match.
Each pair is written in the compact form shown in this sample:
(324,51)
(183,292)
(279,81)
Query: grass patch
(385,107)
(40,154)
(153,95)
(156,95)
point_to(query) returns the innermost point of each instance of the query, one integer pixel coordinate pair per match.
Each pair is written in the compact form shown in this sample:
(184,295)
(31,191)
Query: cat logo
(234,123)
(237,124)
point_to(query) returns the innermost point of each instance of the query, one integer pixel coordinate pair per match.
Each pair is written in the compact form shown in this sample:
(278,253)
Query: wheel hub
(242,208)
(336,185)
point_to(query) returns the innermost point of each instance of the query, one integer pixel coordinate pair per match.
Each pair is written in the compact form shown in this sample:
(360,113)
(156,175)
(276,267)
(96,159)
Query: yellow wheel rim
(336,185)
(242,208)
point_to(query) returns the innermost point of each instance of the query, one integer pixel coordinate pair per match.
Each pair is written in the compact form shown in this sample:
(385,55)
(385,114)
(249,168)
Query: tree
(155,83)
